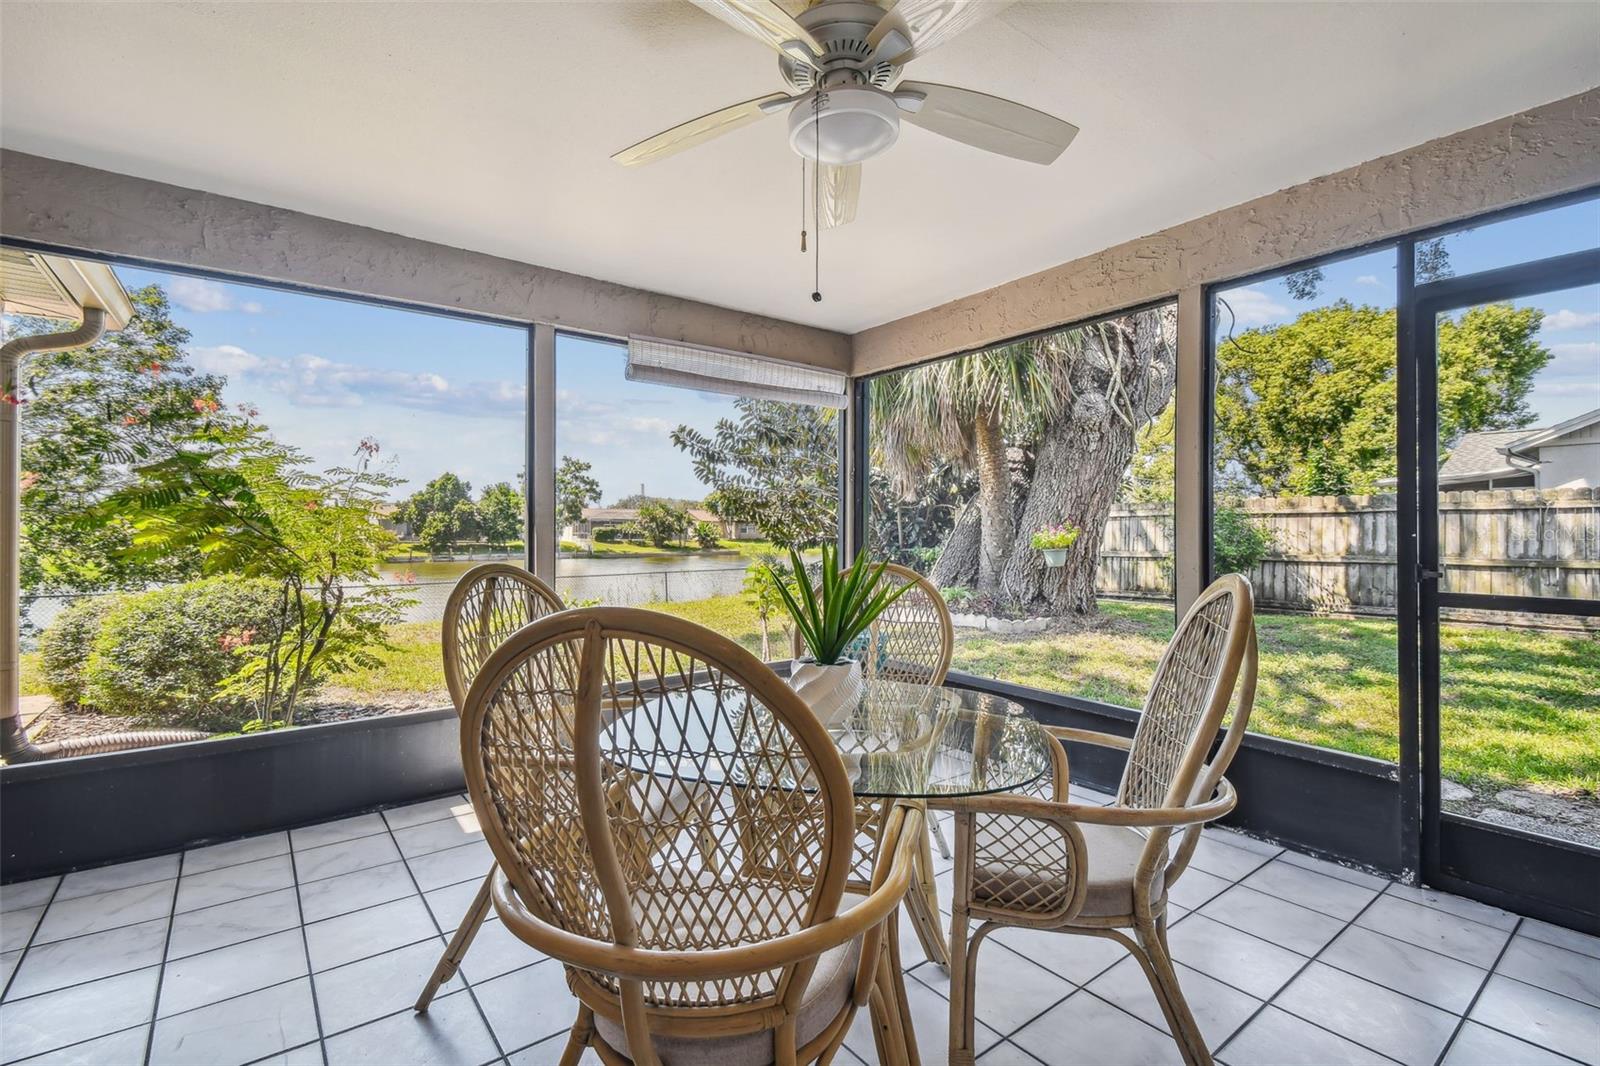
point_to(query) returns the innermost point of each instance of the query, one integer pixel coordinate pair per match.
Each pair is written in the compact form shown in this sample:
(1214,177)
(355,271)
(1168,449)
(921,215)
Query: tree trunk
(994,502)
(958,560)
(1075,480)
(1122,378)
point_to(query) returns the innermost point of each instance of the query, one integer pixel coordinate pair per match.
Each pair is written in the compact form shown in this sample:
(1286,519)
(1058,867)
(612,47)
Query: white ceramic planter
(1055,556)
(830,691)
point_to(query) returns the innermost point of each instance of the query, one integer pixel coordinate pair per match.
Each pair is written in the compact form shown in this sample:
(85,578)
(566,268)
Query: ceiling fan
(843,59)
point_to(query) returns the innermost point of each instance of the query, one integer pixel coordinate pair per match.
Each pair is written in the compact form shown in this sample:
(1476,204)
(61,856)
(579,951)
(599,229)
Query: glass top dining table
(901,741)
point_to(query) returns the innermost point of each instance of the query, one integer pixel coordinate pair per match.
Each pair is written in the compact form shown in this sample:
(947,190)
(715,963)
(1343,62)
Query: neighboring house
(602,517)
(1565,456)
(387,519)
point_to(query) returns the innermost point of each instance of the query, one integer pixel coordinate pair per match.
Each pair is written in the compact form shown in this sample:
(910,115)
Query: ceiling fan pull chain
(802,205)
(816,202)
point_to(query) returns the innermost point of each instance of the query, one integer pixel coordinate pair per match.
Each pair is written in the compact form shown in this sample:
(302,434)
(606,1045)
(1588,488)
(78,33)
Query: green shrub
(161,654)
(64,648)
(707,535)
(607,535)
(1237,544)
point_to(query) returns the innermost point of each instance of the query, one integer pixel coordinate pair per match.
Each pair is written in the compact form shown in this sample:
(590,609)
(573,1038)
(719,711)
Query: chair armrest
(1135,817)
(643,964)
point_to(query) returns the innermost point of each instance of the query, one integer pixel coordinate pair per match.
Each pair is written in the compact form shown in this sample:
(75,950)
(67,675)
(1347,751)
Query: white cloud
(201,296)
(1368,279)
(1252,307)
(1576,350)
(313,381)
(1565,319)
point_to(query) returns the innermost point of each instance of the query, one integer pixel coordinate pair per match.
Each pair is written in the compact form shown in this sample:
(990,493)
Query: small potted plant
(1055,541)
(829,619)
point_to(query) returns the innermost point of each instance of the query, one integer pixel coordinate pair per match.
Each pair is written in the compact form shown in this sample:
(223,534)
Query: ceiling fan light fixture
(844,125)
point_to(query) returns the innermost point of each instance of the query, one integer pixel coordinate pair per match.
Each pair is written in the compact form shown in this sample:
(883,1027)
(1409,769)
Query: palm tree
(961,411)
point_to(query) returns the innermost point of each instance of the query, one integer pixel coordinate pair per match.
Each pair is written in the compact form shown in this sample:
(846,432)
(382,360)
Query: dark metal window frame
(1420,827)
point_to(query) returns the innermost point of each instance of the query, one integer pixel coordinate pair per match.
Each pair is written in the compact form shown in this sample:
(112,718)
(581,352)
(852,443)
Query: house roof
(1488,453)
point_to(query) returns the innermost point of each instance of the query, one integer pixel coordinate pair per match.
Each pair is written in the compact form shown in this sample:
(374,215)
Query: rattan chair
(488,604)
(912,641)
(1043,862)
(672,957)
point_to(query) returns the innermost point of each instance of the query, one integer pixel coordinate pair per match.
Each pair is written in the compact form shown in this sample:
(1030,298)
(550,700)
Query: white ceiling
(488,126)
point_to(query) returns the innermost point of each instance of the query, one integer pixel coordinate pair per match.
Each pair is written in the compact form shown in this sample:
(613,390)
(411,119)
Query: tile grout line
(33,934)
(1488,976)
(471,992)
(305,947)
(161,973)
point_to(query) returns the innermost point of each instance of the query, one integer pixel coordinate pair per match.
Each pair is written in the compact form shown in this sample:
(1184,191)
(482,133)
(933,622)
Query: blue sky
(1568,385)
(443,393)
(438,393)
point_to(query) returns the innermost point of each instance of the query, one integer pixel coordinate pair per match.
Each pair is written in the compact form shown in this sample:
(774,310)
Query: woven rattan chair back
(489,603)
(552,731)
(1188,697)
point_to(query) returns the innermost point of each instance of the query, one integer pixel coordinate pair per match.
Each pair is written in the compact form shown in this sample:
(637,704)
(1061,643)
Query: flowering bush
(1051,537)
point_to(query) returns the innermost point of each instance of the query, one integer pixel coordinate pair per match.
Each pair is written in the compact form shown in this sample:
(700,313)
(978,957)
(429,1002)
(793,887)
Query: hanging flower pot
(1055,542)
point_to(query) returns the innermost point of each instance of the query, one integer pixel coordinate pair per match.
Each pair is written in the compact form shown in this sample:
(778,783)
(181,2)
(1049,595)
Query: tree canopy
(1309,407)
(776,466)
(576,489)
(89,416)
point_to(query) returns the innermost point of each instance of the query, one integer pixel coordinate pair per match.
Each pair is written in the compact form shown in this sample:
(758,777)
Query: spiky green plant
(831,616)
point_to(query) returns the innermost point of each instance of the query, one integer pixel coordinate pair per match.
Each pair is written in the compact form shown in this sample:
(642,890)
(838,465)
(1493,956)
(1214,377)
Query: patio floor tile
(1218,1009)
(359,992)
(1481,913)
(56,1019)
(122,875)
(449,904)
(495,951)
(426,811)
(235,852)
(354,891)
(1276,1038)
(105,910)
(1426,975)
(1087,1031)
(1406,1030)
(1333,869)
(87,958)
(549,1050)
(1011,990)
(17,926)
(1318,891)
(1194,888)
(127,1046)
(331,860)
(8,964)
(35,893)
(1571,939)
(304,1055)
(451,1033)
(438,835)
(1285,924)
(1552,968)
(1221,951)
(231,971)
(1477,1045)
(1079,959)
(230,923)
(337,832)
(336,941)
(228,883)
(529,1005)
(1438,930)
(930,1017)
(1540,1017)
(1215,857)
(470,862)
(239,1030)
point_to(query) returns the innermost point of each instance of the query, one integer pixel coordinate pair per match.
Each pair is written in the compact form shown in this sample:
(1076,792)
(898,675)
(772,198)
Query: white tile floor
(309,946)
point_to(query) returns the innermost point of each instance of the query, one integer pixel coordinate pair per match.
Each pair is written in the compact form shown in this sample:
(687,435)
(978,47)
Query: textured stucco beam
(1545,151)
(85,209)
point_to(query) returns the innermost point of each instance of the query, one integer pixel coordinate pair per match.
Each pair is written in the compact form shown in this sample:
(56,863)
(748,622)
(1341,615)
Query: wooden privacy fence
(1336,553)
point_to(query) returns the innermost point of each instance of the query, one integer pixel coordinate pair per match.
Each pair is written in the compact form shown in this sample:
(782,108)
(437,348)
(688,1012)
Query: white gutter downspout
(14,743)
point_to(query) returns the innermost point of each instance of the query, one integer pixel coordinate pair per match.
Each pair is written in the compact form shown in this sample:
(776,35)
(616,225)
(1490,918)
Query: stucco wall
(86,209)
(1542,152)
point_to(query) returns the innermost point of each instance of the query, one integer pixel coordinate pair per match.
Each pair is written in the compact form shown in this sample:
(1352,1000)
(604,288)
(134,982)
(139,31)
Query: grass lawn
(1520,707)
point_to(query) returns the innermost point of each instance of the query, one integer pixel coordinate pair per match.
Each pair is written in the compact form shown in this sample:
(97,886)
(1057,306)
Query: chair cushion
(826,995)
(1026,874)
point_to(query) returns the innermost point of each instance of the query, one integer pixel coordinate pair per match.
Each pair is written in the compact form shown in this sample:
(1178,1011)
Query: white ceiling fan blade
(768,23)
(992,123)
(841,191)
(696,131)
(927,24)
